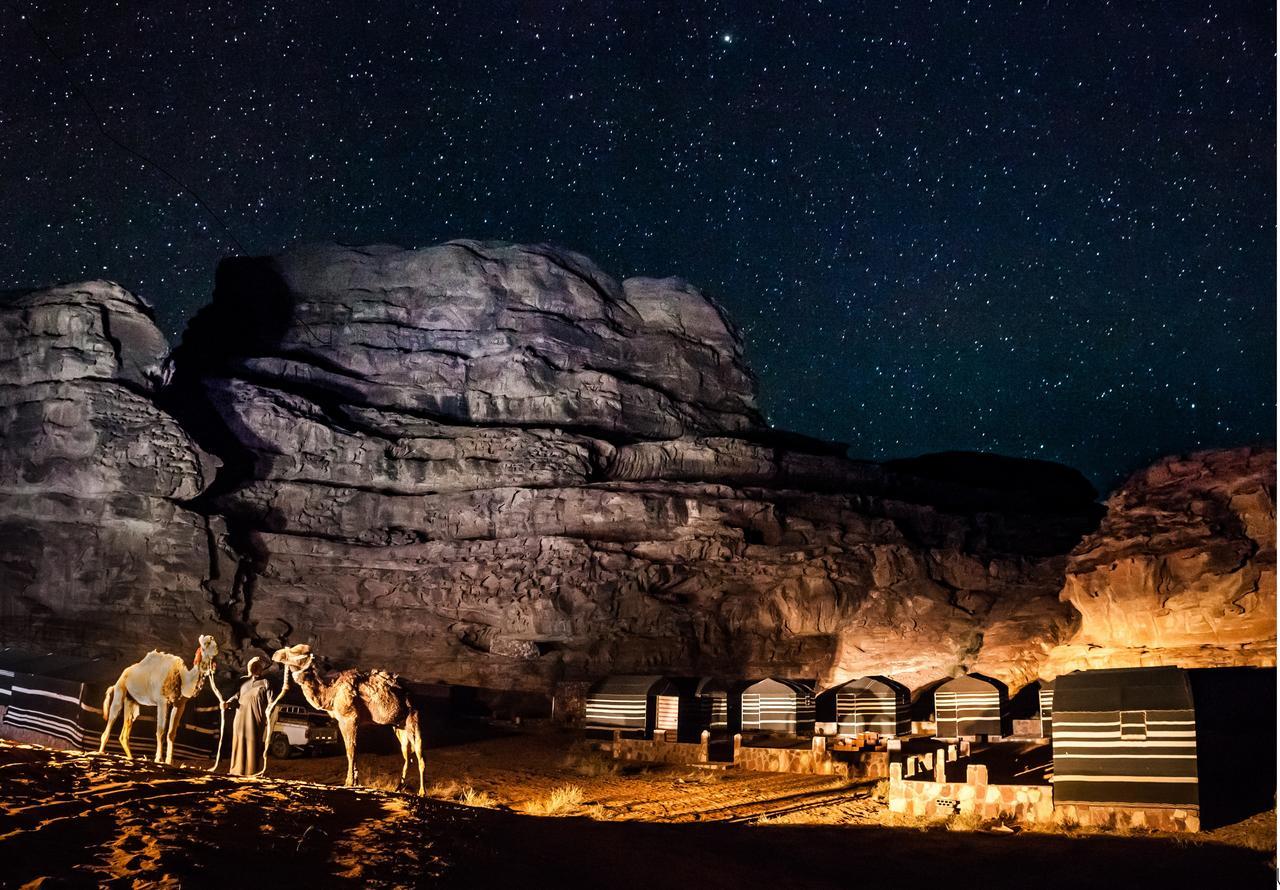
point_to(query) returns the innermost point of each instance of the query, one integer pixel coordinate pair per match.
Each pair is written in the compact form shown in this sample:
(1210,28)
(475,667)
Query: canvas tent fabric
(779,705)
(59,698)
(1046,709)
(969,706)
(626,702)
(872,704)
(712,697)
(1125,736)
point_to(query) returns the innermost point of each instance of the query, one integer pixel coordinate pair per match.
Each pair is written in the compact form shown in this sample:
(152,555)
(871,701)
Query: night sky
(1039,229)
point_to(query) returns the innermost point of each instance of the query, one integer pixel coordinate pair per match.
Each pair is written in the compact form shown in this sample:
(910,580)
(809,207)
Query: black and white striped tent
(56,700)
(634,704)
(970,706)
(11,660)
(1125,736)
(871,704)
(712,698)
(1046,709)
(778,705)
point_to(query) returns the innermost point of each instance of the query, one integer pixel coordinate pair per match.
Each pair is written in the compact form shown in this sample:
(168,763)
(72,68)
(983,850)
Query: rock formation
(496,465)
(1182,570)
(97,549)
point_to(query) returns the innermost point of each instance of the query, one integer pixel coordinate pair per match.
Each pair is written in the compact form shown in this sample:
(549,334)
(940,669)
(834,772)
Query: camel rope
(222,720)
(271,723)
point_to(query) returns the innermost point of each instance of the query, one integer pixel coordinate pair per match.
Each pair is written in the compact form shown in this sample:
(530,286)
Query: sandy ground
(84,820)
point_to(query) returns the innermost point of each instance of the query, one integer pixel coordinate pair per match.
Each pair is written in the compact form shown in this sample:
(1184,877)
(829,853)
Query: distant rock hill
(494,464)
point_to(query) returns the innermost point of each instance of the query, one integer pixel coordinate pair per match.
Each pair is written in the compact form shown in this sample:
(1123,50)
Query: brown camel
(357,697)
(161,681)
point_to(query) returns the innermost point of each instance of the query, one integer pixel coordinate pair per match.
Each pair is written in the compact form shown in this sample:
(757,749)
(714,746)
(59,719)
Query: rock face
(1182,570)
(495,465)
(97,547)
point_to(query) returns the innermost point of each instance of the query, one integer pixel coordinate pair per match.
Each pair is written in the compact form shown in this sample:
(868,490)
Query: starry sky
(1042,229)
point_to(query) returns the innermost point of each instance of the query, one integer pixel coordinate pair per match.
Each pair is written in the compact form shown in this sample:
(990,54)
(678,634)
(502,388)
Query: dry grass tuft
(444,790)
(964,822)
(473,798)
(557,803)
(589,762)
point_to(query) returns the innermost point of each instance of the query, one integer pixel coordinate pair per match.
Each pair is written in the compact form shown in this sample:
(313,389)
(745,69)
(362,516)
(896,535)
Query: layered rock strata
(1182,570)
(497,465)
(97,548)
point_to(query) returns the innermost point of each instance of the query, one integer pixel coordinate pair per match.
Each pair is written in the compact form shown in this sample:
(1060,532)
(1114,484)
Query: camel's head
(296,658)
(206,653)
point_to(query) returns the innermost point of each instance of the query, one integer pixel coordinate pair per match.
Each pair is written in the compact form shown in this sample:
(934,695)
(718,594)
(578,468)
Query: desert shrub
(473,798)
(964,822)
(557,803)
(447,790)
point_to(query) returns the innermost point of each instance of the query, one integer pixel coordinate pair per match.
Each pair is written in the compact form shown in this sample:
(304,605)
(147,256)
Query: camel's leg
(413,730)
(162,720)
(131,709)
(402,735)
(175,723)
(348,730)
(112,704)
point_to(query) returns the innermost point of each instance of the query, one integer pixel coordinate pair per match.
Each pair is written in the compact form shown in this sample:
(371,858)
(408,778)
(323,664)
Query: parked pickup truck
(303,729)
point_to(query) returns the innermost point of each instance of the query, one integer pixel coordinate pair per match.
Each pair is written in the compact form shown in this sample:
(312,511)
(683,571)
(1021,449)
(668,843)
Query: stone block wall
(659,750)
(815,759)
(1031,804)
(1178,819)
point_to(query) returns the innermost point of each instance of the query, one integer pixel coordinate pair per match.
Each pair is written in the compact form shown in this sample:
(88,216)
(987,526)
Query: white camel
(161,681)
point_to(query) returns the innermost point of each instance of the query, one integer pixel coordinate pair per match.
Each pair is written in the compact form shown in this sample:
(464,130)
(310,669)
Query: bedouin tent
(633,703)
(969,706)
(1046,709)
(56,700)
(871,704)
(712,697)
(11,660)
(777,704)
(1125,736)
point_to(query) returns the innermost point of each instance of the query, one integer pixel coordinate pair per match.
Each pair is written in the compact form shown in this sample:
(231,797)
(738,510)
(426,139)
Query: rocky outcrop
(1182,570)
(99,550)
(495,465)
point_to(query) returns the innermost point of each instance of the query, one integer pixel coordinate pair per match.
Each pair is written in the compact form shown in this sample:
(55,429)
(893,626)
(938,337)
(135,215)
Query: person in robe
(252,701)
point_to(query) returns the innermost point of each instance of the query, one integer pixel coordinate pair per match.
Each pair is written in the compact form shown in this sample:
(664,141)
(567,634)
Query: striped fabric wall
(1046,711)
(715,707)
(6,686)
(71,712)
(1125,757)
(668,715)
(778,709)
(607,710)
(866,710)
(968,713)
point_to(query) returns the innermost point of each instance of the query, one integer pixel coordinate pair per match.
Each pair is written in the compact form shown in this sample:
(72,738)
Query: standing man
(253,699)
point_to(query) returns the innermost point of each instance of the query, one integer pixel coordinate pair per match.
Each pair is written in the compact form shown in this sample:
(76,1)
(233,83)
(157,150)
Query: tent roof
(13,658)
(628,684)
(1120,689)
(871,684)
(781,684)
(967,683)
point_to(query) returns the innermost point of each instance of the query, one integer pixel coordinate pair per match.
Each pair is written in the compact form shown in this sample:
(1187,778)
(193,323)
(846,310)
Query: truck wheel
(280,747)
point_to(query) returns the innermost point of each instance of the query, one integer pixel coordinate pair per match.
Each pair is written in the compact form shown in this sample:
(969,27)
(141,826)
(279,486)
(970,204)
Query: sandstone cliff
(97,549)
(1182,570)
(496,465)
